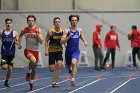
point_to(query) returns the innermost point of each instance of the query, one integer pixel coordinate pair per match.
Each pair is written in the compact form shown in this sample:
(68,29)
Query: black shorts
(54,57)
(7,59)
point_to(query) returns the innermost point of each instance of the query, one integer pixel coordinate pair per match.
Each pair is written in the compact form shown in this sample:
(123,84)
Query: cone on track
(36,78)
(68,78)
(4,77)
(98,78)
(129,77)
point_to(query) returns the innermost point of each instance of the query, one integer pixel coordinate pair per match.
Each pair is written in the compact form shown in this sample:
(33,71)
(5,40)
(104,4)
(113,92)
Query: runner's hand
(85,44)
(46,53)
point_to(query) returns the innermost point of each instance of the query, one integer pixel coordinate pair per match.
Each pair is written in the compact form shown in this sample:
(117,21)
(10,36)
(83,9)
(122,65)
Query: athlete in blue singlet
(9,39)
(72,49)
(71,36)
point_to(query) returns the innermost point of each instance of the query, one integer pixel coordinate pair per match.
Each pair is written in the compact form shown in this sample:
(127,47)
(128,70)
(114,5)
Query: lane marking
(123,84)
(119,86)
(47,86)
(58,82)
(41,84)
(22,83)
(85,85)
(99,80)
(24,77)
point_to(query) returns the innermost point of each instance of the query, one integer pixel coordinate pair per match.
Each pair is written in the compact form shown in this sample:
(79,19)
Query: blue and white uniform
(8,43)
(7,48)
(72,49)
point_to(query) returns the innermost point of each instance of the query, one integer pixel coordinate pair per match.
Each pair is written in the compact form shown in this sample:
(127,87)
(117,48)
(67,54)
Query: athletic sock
(29,71)
(72,79)
(31,81)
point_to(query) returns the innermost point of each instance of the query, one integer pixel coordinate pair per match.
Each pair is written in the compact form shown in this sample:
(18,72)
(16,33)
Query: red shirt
(135,38)
(97,39)
(111,40)
(31,38)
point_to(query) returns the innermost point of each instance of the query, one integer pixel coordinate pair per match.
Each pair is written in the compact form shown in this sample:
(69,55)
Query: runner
(9,39)
(33,36)
(71,36)
(54,49)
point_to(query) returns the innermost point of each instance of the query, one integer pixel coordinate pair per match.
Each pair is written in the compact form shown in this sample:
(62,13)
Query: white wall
(46,5)
(88,20)
(107,4)
(9,4)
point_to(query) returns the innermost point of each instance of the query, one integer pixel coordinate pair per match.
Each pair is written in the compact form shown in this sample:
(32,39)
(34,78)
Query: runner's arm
(16,37)
(39,36)
(65,38)
(82,37)
(47,42)
(20,38)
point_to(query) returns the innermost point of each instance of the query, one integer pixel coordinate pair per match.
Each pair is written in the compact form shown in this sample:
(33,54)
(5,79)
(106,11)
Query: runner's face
(8,25)
(31,22)
(57,23)
(74,21)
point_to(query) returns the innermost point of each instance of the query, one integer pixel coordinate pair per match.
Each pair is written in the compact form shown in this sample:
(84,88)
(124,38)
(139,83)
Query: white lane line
(89,83)
(46,87)
(14,78)
(119,86)
(41,83)
(58,83)
(14,85)
(21,84)
(99,80)
(123,85)
(85,85)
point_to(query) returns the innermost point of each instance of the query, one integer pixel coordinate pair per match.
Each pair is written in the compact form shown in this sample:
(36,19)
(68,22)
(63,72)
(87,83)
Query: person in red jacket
(97,47)
(134,36)
(110,43)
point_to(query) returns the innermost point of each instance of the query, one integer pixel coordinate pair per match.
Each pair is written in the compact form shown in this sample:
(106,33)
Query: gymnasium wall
(47,5)
(88,19)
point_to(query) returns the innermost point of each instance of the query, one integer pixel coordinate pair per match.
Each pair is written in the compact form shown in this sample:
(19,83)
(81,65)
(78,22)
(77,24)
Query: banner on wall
(83,60)
(129,62)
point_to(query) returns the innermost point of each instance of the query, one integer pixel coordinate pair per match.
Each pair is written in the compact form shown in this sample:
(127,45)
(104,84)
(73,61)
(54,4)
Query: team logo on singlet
(75,35)
(7,39)
(31,35)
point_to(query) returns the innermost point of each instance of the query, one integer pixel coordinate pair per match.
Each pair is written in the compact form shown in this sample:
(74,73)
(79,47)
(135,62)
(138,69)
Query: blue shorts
(69,56)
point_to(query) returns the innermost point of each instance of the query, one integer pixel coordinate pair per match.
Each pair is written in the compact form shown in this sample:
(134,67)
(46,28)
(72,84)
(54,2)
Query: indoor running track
(88,80)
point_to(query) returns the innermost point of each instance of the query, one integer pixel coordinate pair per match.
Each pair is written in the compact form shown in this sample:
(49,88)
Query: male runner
(9,39)
(54,49)
(33,36)
(71,36)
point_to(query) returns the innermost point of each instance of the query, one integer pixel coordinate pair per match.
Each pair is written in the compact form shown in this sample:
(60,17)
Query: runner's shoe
(55,85)
(31,87)
(6,84)
(73,83)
